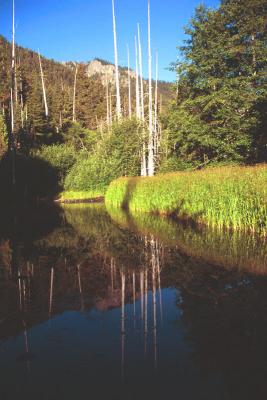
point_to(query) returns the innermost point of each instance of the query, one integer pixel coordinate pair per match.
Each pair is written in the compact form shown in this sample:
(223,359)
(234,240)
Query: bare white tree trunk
(129,86)
(12,111)
(151,163)
(21,97)
(107,101)
(13,70)
(74,95)
(15,85)
(141,75)
(118,102)
(110,108)
(156,144)
(43,85)
(142,110)
(11,137)
(137,91)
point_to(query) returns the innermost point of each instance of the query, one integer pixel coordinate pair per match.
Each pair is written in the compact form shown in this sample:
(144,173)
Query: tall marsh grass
(232,197)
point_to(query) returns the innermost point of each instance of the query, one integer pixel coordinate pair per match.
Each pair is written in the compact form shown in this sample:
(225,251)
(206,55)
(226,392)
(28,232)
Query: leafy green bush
(61,156)
(116,154)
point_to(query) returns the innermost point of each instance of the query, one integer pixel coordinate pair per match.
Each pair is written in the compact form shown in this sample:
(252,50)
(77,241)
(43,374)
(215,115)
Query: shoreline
(99,199)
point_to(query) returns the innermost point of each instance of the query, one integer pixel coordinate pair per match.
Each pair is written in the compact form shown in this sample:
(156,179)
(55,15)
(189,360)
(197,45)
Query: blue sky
(80,30)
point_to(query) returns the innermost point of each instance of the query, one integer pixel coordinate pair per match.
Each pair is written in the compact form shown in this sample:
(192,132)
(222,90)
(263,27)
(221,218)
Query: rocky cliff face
(107,72)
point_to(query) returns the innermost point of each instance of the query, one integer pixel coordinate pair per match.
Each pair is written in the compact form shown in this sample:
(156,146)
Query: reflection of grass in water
(107,238)
(229,249)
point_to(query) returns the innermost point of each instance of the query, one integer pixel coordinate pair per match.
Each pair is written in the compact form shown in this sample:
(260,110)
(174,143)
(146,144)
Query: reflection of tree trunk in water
(145,331)
(122,323)
(142,294)
(134,298)
(29,282)
(159,281)
(20,290)
(154,288)
(14,266)
(80,286)
(51,291)
(112,264)
(24,294)
(26,345)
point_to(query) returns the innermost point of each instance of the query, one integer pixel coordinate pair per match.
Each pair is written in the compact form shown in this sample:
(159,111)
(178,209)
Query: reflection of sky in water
(80,352)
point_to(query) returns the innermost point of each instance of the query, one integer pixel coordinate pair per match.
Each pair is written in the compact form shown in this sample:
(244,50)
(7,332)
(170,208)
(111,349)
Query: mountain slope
(59,81)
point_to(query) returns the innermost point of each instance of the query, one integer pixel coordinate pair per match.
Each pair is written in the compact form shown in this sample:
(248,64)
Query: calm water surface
(97,304)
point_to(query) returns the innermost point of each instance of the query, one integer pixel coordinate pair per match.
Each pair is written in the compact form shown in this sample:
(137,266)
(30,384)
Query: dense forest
(215,113)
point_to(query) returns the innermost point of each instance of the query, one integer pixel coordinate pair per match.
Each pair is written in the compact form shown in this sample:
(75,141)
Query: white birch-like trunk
(12,111)
(11,137)
(156,144)
(21,97)
(110,108)
(107,100)
(137,91)
(13,67)
(151,163)
(142,108)
(118,97)
(15,85)
(74,95)
(129,86)
(141,74)
(43,85)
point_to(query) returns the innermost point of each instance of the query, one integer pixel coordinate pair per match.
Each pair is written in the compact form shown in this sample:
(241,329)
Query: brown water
(98,304)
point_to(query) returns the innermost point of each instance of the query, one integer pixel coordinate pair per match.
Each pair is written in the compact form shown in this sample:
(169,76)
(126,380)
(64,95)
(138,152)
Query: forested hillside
(90,98)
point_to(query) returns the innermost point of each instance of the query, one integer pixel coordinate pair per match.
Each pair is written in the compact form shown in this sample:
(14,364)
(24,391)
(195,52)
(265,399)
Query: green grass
(232,197)
(81,195)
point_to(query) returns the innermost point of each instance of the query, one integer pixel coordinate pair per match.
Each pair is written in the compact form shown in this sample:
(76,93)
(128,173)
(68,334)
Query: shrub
(61,157)
(116,154)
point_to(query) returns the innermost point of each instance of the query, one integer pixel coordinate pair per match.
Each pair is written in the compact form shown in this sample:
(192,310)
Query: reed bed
(226,197)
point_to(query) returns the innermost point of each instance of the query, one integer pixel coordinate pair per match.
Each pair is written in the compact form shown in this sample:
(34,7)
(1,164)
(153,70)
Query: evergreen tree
(221,89)
(3,137)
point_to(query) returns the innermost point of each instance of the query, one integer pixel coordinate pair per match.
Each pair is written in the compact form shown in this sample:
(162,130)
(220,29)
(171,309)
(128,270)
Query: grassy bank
(73,195)
(232,197)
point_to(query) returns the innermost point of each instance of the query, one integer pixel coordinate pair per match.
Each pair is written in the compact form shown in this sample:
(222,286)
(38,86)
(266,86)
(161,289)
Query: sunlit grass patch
(81,195)
(232,197)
